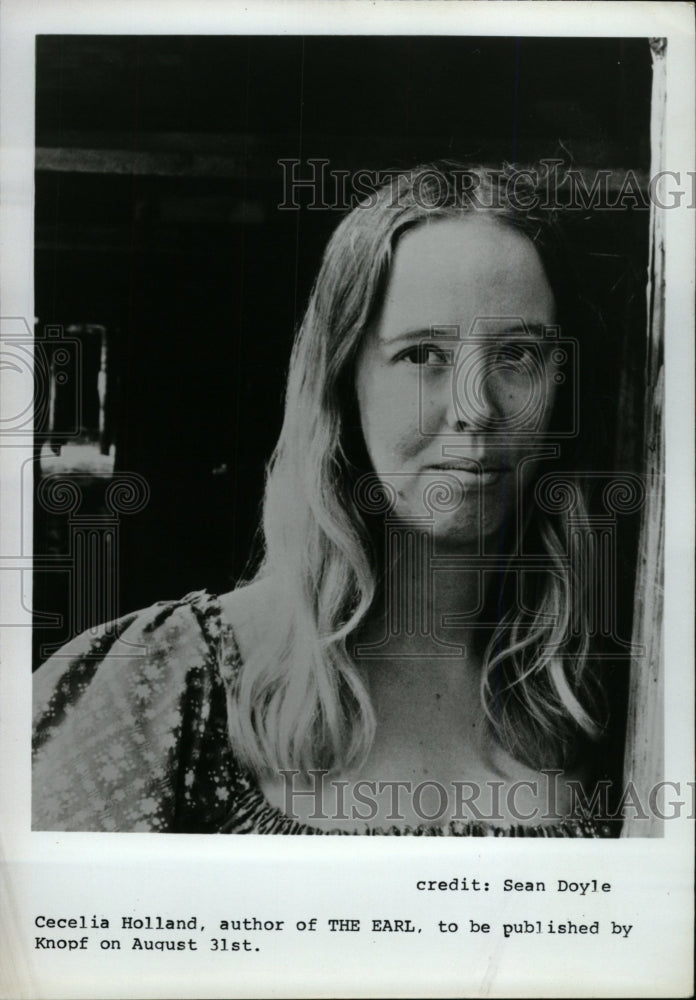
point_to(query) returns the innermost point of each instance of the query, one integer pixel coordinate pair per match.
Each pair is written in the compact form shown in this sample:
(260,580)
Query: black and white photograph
(347,496)
(348,443)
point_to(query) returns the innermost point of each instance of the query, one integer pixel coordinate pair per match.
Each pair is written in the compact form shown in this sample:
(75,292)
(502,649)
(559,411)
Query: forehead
(451,272)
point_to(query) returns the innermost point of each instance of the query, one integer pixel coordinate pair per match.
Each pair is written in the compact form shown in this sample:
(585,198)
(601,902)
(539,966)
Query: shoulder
(169,624)
(251,610)
(165,648)
(130,722)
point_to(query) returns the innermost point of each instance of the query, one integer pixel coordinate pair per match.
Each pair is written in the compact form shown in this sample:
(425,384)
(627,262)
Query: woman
(411,657)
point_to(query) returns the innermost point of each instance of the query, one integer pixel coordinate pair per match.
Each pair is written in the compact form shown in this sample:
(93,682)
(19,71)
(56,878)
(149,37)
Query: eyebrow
(424,333)
(535,330)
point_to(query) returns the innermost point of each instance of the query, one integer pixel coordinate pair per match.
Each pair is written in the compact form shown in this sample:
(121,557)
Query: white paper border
(331,876)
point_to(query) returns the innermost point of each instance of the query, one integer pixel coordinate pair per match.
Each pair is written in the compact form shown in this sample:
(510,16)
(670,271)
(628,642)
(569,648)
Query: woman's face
(453,380)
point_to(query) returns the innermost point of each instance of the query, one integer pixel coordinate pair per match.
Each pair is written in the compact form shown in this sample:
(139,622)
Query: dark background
(157,187)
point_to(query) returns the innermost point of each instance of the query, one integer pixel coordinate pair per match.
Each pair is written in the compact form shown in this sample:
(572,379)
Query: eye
(517,356)
(429,355)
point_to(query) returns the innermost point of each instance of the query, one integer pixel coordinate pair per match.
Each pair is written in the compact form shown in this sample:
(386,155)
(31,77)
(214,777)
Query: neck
(427,602)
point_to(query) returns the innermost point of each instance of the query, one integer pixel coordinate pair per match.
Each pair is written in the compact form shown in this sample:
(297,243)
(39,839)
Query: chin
(460,517)
(471,532)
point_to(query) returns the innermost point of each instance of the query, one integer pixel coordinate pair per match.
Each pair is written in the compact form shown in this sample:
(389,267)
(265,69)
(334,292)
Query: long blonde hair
(300,702)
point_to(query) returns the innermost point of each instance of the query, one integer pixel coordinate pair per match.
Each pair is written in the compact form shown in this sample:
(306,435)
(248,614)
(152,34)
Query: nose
(470,404)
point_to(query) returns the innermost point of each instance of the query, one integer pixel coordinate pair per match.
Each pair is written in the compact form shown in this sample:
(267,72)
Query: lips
(475,467)
(474,473)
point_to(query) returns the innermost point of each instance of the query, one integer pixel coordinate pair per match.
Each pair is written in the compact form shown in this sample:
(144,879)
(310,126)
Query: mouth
(472,474)
(471,467)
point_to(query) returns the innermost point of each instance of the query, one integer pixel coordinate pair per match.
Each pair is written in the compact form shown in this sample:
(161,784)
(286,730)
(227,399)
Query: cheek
(527,404)
(389,416)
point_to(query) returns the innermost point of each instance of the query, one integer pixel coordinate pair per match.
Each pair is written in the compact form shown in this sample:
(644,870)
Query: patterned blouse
(130,734)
